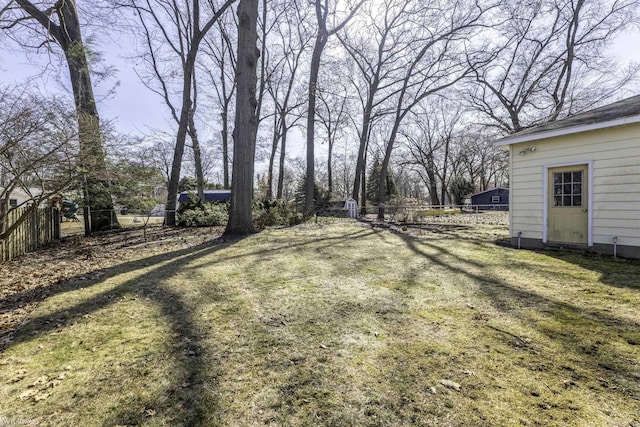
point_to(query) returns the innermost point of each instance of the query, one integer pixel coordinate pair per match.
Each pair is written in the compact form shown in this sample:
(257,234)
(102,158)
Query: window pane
(566,177)
(566,201)
(577,200)
(577,176)
(577,189)
(566,189)
(557,178)
(557,201)
(557,189)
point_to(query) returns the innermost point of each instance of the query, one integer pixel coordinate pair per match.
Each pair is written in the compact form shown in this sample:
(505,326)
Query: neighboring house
(495,199)
(18,197)
(209,196)
(576,182)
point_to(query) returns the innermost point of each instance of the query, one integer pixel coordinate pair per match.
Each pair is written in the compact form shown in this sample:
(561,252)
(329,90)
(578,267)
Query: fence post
(87,222)
(56,223)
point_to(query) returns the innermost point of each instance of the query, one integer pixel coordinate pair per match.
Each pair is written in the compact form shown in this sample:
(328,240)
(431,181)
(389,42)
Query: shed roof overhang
(527,136)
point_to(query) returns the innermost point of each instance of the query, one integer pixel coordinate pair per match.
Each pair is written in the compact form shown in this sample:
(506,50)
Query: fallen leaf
(450,384)
(18,375)
(42,380)
(28,393)
(41,396)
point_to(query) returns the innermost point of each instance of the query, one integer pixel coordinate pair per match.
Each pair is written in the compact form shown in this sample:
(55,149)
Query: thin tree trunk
(445,168)
(225,146)
(176,165)
(364,139)
(283,150)
(329,173)
(272,156)
(363,182)
(197,158)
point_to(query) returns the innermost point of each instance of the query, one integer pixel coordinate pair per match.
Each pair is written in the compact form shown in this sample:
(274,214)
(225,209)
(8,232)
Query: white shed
(576,182)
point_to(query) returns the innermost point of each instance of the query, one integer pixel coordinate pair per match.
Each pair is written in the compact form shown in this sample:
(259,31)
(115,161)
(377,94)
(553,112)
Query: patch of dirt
(29,279)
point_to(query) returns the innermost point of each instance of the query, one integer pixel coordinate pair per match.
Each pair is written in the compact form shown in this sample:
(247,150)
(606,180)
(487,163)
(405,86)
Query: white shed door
(568,217)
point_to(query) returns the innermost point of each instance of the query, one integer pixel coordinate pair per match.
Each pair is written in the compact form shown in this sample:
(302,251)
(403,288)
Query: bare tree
(332,115)
(323,9)
(57,23)
(550,60)
(291,40)
(38,151)
(376,46)
(428,138)
(222,77)
(181,29)
(246,125)
(434,67)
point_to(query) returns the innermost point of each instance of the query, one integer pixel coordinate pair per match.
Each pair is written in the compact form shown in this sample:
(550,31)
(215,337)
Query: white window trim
(545,198)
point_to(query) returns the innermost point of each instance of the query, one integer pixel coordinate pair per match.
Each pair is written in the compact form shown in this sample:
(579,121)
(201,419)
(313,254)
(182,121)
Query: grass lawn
(336,323)
(70,228)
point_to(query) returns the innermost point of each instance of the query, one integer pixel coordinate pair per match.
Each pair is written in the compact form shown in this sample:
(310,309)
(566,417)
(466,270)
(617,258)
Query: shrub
(203,214)
(271,213)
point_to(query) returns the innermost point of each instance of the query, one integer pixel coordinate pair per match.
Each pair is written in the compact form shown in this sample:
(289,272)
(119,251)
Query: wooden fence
(41,227)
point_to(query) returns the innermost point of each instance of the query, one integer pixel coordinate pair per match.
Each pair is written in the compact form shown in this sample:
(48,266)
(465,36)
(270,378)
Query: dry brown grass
(336,323)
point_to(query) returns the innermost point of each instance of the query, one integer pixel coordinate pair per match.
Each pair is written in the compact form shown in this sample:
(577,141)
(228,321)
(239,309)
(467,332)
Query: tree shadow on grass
(619,273)
(190,392)
(178,316)
(578,329)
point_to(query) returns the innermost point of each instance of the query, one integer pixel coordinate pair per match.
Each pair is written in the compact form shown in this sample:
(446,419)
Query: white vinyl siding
(614,155)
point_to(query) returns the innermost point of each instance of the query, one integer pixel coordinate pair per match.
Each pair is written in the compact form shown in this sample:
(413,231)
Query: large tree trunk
(246,121)
(309,202)
(67,34)
(97,195)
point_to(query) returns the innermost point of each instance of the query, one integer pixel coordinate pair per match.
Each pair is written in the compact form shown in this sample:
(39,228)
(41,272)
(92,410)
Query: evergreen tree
(460,187)
(372,183)
(320,196)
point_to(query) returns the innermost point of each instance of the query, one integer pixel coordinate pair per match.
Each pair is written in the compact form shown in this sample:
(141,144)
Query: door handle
(585,210)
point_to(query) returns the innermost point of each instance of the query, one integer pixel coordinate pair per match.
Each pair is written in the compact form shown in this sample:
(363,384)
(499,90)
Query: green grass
(335,323)
(70,228)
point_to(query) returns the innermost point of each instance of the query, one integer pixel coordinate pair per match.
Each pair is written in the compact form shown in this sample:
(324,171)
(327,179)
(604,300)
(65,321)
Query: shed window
(13,202)
(495,199)
(567,189)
